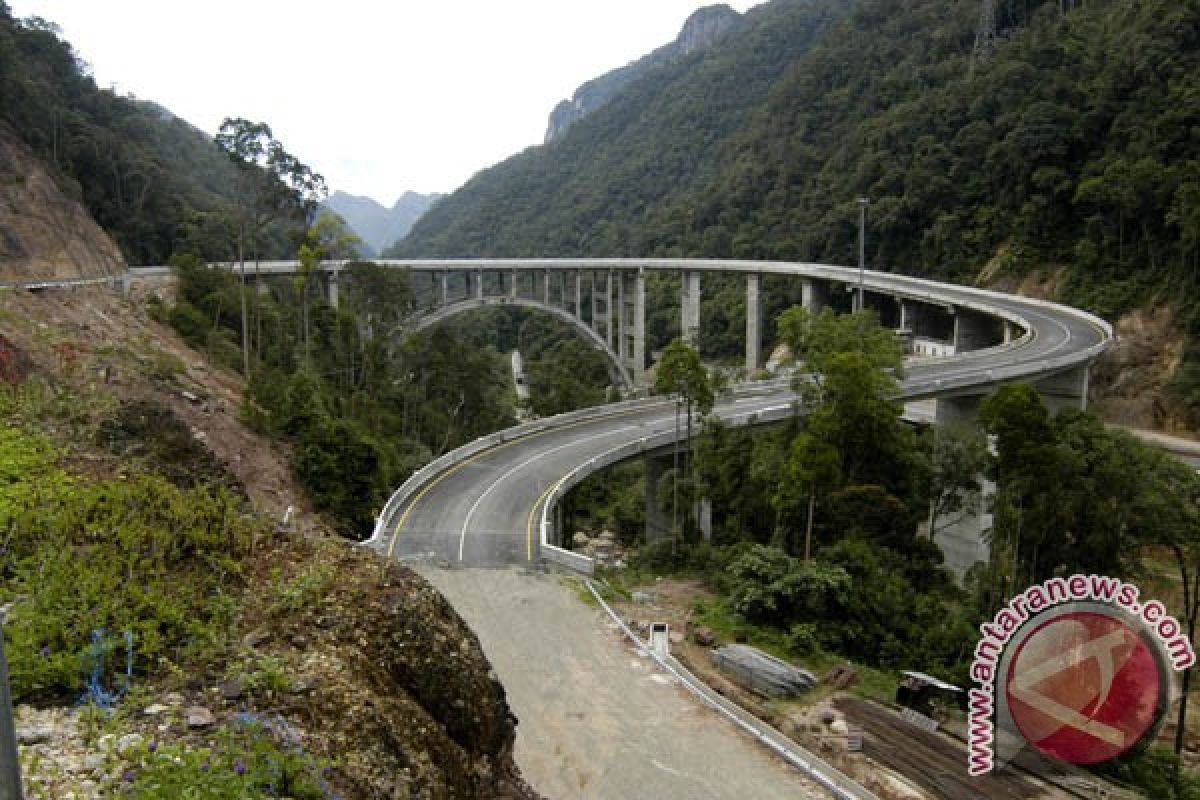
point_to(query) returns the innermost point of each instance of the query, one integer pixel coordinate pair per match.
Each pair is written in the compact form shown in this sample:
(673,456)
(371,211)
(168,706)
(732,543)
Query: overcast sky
(380,96)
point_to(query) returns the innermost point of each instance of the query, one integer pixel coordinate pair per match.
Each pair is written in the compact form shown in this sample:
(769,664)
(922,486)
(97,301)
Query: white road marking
(462,539)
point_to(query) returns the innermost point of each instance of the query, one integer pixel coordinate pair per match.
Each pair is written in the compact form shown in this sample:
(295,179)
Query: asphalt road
(485,511)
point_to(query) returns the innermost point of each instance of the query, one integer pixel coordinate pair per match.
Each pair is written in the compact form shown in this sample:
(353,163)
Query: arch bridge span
(606,299)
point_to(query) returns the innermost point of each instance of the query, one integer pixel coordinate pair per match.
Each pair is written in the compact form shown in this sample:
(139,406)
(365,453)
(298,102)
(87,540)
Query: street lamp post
(862,251)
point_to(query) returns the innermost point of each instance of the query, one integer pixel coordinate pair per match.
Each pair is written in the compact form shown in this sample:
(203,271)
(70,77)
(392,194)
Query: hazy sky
(380,96)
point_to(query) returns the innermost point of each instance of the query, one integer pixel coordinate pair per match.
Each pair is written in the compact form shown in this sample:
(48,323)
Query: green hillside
(592,190)
(156,184)
(1075,143)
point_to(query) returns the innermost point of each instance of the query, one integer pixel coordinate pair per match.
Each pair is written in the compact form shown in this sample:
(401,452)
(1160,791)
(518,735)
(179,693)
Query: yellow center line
(413,503)
(529,524)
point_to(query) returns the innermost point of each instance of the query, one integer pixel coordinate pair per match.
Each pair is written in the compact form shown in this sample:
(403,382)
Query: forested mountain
(156,184)
(380,227)
(592,190)
(1074,142)
(704,27)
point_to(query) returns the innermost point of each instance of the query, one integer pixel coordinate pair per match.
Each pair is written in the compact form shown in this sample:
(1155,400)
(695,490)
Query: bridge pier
(658,519)
(608,309)
(1065,390)
(479,284)
(753,325)
(959,409)
(972,331)
(814,295)
(689,308)
(333,288)
(579,293)
(622,325)
(639,327)
(963,538)
(906,314)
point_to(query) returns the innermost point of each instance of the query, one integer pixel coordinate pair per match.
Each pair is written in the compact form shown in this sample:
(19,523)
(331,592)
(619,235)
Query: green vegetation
(86,565)
(155,183)
(246,761)
(361,411)
(1072,145)
(867,584)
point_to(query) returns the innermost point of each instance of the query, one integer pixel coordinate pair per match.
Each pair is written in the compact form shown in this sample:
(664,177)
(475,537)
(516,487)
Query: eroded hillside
(310,658)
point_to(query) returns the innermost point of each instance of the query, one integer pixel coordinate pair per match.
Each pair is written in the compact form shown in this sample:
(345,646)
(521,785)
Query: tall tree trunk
(245,326)
(1191,606)
(808,528)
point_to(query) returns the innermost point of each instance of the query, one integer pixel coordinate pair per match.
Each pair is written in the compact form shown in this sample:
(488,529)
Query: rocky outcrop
(44,233)
(703,28)
(407,699)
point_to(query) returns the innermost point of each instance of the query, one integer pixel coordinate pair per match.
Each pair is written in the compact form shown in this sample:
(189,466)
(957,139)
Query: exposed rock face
(407,693)
(44,233)
(703,28)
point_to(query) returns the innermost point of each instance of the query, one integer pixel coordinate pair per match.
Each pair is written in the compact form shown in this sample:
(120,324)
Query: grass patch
(874,684)
(93,568)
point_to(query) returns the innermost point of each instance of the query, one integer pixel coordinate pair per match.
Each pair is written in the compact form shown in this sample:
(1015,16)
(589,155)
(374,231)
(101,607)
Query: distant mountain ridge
(702,29)
(380,227)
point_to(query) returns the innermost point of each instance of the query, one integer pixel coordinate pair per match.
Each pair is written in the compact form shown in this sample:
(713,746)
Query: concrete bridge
(495,501)
(605,301)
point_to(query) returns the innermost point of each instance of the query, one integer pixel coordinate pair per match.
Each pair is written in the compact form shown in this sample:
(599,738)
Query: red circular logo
(1084,687)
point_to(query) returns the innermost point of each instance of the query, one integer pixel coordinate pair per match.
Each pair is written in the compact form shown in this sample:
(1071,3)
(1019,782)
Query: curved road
(485,509)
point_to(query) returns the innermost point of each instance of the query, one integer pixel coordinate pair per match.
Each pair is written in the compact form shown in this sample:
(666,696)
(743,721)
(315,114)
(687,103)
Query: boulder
(200,717)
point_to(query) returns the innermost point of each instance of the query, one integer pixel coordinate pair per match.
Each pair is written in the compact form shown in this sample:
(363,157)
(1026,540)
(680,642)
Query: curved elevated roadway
(490,502)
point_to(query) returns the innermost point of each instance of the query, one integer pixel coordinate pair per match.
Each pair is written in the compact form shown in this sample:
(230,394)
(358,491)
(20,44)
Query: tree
(956,455)
(813,467)
(272,184)
(1176,497)
(679,372)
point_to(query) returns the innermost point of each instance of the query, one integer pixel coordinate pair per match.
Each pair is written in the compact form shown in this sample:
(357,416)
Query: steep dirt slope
(45,234)
(351,660)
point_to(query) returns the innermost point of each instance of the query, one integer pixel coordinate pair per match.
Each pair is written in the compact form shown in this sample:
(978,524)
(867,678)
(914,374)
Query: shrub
(139,556)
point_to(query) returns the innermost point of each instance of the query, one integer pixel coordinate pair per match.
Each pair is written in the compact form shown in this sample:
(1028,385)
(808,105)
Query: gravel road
(596,720)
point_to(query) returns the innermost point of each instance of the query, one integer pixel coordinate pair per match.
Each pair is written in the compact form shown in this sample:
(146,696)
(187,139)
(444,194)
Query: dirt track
(597,721)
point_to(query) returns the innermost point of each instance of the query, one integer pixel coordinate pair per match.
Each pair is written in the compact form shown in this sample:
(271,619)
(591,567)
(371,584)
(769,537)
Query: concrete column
(479,284)
(972,331)
(639,328)
(512,287)
(621,325)
(546,286)
(658,519)
(579,293)
(814,295)
(689,307)
(963,409)
(260,286)
(445,287)
(1066,389)
(333,288)
(905,312)
(608,309)
(703,516)
(963,536)
(1012,331)
(753,325)
(595,300)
